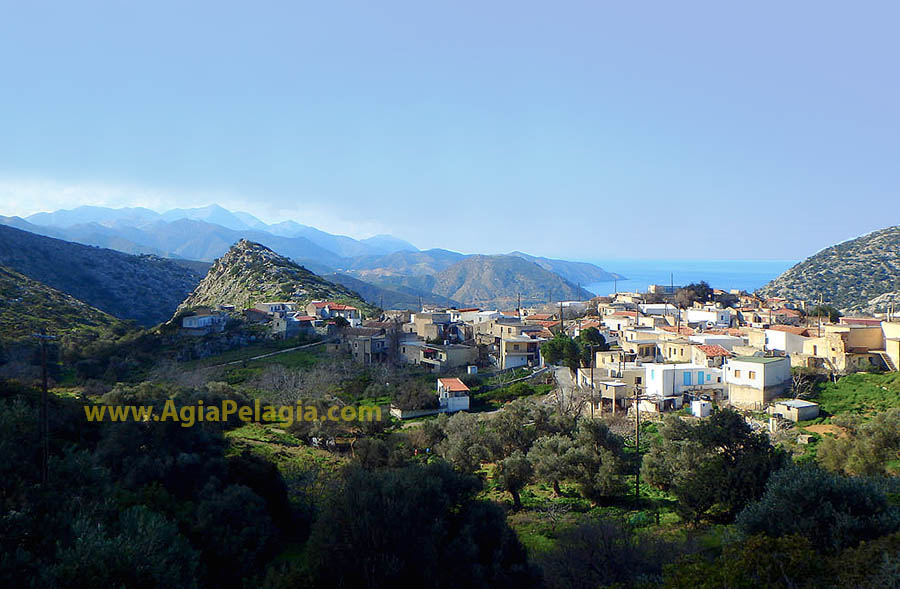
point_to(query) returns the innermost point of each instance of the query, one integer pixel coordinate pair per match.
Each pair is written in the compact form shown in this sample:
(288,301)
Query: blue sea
(746,275)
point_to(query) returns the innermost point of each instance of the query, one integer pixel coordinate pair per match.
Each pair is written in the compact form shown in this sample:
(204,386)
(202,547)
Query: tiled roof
(454,385)
(713,351)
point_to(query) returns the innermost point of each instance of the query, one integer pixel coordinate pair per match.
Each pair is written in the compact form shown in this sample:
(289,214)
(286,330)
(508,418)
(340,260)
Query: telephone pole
(637,443)
(45,410)
(592,382)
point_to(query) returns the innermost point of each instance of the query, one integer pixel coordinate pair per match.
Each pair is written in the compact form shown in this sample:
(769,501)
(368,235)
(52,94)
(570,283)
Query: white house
(796,409)
(786,339)
(453,395)
(328,310)
(276,307)
(709,316)
(753,381)
(203,324)
(659,309)
(674,380)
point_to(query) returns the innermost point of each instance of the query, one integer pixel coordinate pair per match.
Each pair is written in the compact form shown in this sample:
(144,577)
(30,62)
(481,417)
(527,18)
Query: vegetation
(145,289)
(250,273)
(859,274)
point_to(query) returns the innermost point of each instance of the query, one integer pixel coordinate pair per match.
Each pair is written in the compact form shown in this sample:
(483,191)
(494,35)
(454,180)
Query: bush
(831,511)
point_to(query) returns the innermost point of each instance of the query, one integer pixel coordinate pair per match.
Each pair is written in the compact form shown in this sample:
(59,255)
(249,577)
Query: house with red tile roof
(453,395)
(326,310)
(712,355)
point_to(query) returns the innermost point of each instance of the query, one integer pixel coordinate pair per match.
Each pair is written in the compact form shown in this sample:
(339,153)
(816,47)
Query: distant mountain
(388,296)
(496,281)
(403,263)
(215,215)
(389,243)
(28,306)
(134,216)
(250,273)
(860,274)
(146,289)
(577,272)
(145,231)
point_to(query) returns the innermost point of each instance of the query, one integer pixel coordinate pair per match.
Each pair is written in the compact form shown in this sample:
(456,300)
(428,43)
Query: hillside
(403,263)
(389,296)
(27,306)
(250,273)
(495,281)
(577,272)
(862,274)
(145,289)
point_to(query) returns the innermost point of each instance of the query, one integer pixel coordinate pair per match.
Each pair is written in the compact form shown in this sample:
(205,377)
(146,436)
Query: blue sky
(586,130)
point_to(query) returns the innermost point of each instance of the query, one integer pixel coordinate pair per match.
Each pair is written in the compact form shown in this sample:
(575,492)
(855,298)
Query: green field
(860,393)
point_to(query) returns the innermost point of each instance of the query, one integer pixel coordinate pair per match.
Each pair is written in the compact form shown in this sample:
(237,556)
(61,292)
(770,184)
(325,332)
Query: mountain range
(385,267)
(146,289)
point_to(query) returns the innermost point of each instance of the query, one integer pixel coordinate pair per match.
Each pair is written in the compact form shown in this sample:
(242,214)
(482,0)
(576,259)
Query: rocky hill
(577,272)
(389,296)
(862,274)
(146,289)
(495,281)
(28,306)
(250,273)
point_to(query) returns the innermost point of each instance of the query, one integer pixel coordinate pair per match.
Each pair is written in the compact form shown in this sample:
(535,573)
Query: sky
(584,130)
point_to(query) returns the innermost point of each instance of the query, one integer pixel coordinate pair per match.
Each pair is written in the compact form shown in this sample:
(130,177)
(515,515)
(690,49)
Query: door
(687,379)
(700,378)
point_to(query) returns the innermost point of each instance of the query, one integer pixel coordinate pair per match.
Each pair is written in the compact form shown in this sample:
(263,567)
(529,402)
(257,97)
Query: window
(637,380)
(737,373)
(751,375)
(515,346)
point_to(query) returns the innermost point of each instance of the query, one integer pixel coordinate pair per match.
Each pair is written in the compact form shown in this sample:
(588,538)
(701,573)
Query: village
(665,350)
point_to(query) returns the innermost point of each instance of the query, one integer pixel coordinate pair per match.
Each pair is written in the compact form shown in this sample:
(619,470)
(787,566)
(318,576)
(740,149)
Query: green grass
(244,353)
(860,393)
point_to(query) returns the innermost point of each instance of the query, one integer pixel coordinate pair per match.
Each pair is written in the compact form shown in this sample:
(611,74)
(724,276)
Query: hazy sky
(584,130)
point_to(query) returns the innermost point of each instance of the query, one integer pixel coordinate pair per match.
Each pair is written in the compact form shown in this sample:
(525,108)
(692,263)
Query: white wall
(668,379)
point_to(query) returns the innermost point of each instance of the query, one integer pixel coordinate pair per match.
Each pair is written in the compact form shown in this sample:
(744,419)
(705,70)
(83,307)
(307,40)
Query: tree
(549,457)
(868,447)
(468,442)
(513,473)
(514,427)
(831,511)
(401,527)
(562,350)
(827,312)
(718,463)
(694,292)
(596,461)
(757,561)
(803,382)
(603,553)
(590,340)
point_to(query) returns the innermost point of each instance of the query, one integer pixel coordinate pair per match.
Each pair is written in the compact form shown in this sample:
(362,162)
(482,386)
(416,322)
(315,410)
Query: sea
(747,275)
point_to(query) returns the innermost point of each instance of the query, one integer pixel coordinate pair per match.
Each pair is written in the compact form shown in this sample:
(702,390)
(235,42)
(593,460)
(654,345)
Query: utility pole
(592,382)
(637,442)
(819,314)
(562,327)
(45,410)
